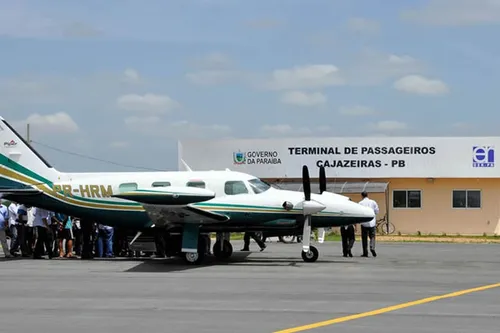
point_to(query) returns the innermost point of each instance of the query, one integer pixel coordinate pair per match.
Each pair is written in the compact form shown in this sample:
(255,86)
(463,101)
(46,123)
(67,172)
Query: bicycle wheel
(383,228)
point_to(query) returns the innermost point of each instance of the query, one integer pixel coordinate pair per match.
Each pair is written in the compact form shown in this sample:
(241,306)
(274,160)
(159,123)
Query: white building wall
(386,157)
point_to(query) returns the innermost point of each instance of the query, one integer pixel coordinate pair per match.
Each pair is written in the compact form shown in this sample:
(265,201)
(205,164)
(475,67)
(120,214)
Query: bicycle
(385,227)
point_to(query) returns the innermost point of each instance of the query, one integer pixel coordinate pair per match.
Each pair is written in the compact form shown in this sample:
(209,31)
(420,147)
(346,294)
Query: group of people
(37,232)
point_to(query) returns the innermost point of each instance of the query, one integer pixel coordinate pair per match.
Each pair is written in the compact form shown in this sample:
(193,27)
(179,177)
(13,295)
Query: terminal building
(426,185)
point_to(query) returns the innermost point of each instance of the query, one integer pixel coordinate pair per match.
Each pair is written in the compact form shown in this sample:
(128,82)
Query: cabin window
(197,183)
(161,184)
(466,199)
(407,199)
(258,185)
(128,187)
(234,187)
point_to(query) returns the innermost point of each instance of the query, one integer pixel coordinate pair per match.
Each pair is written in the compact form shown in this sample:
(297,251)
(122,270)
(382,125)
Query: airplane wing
(19,192)
(170,205)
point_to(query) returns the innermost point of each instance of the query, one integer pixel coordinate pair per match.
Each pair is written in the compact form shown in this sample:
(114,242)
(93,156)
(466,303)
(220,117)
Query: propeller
(309,206)
(322,188)
(306,183)
(322,180)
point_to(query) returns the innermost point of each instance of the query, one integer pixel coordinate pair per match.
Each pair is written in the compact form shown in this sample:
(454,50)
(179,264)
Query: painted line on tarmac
(386,309)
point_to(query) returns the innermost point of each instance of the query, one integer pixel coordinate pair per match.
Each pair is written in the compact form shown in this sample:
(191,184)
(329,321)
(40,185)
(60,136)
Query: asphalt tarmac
(262,292)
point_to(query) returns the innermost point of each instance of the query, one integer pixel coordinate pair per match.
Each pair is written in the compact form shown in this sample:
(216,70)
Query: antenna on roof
(186,165)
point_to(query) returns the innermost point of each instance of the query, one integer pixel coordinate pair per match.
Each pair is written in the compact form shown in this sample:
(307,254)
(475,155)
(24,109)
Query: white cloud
(363,25)
(417,84)
(57,123)
(374,68)
(302,98)
(131,75)
(388,125)
(356,110)
(146,103)
(455,12)
(369,68)
(156,127)
(304,77)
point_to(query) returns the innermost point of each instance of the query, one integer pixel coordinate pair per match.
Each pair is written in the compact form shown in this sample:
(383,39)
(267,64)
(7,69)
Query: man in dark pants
(41,224)
(87,238)
(348,238)
(246,239)
(368,229)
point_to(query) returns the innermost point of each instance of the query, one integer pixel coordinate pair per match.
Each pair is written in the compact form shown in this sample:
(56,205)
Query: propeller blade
(306,183)
(306,234)
(322,180)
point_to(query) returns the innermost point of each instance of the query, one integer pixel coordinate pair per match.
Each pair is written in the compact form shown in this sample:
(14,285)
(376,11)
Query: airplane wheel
(226,252)
(310,256)
(196,258)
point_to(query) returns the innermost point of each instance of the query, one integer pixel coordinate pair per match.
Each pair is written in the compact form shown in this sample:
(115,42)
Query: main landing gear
(198,257)
(222,248)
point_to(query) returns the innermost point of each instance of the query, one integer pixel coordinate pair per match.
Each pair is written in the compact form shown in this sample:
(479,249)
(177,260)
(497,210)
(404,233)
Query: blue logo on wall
(483,156)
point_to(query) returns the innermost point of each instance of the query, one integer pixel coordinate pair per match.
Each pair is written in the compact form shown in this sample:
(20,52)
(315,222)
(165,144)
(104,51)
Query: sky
(113,85)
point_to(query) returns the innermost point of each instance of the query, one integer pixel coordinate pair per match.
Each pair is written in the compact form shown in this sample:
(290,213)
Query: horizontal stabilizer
(167,195)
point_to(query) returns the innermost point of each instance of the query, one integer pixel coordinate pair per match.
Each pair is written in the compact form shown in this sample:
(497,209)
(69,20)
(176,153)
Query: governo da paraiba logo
(256,157)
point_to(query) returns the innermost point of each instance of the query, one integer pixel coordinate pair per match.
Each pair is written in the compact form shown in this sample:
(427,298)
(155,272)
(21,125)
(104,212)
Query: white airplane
(180,205)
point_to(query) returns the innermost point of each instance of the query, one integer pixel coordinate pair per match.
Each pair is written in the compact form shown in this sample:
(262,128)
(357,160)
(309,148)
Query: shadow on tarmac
(237,259)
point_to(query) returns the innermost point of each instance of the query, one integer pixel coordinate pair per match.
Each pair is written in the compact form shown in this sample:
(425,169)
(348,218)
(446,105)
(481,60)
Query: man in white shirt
(4,225)
(13,227)
(30,234)
(42,229)
(368,229)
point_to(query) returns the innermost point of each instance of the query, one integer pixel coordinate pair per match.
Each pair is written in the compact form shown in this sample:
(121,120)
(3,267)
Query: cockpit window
(234,187)
(258,185)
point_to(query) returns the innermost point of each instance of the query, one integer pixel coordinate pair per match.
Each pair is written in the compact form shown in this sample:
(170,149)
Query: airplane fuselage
(90,196)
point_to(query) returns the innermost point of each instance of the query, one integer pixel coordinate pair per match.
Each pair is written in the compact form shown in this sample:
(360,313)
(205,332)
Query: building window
(466,199)
(234,187)
(407,199)
(197,183)
(128,187)
(161,184)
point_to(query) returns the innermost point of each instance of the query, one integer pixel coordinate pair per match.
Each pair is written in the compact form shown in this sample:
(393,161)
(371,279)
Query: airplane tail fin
(20,164)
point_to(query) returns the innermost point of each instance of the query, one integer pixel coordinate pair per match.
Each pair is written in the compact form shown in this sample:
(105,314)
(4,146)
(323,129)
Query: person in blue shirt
(4,225)
(65,233)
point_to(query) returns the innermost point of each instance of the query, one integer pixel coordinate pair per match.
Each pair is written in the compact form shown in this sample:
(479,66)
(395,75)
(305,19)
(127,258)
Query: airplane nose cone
(363,211)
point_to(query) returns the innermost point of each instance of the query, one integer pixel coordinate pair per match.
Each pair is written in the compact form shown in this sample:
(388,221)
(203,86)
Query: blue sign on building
(483,156)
